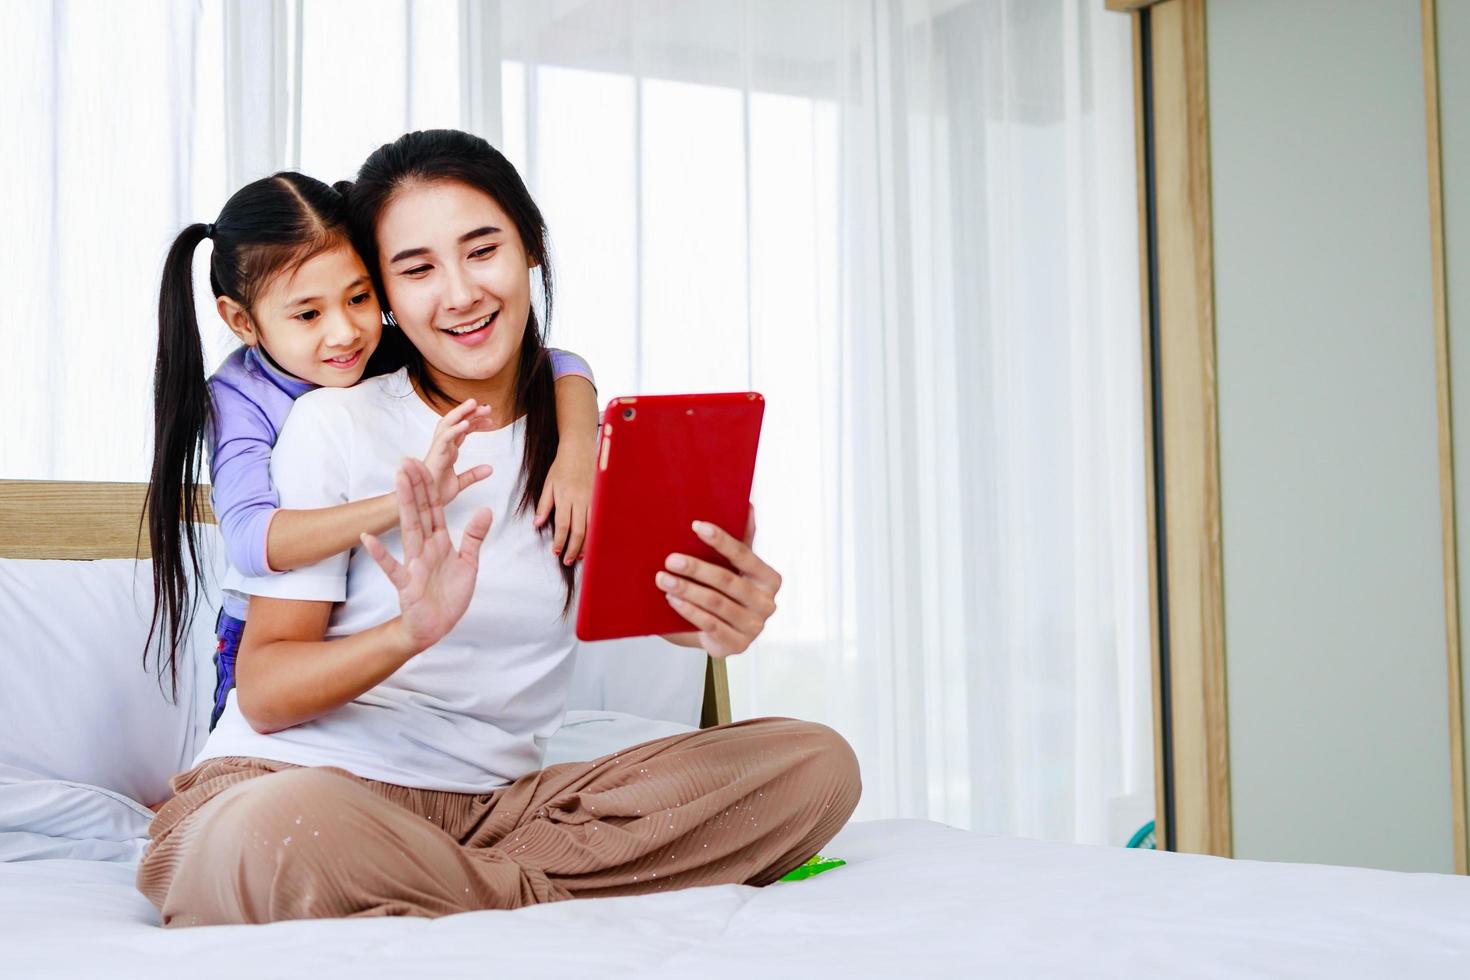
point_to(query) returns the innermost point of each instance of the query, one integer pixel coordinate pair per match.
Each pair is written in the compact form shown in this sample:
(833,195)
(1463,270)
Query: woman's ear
(237,318)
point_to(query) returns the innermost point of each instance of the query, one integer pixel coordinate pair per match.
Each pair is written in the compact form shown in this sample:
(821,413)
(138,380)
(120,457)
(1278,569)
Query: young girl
(288,283)
(382,755)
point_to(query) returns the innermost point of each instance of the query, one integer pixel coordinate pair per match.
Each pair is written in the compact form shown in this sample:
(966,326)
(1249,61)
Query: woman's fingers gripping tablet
(711,601)
(747,562)
(717,637)
(730,608)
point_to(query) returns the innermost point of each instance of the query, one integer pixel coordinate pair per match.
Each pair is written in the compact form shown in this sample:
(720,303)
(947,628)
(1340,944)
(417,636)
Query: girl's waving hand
(443,452)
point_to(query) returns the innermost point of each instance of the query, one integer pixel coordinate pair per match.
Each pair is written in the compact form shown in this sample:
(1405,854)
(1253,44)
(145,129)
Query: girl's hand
(569,490)
(443,452)
(434,581)
(728,608)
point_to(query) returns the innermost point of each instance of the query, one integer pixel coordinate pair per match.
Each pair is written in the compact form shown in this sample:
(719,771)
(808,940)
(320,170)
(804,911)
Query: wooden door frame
(1191,734)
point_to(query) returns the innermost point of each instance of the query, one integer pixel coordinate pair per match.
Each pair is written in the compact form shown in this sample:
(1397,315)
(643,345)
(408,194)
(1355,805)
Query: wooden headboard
(44,519)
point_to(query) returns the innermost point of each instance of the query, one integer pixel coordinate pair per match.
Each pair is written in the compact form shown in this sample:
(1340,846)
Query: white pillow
(587,735)
(52,818)
(644,676)
(76,703)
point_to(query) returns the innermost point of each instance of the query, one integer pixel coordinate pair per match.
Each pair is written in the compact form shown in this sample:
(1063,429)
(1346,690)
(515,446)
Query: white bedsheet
(916,899)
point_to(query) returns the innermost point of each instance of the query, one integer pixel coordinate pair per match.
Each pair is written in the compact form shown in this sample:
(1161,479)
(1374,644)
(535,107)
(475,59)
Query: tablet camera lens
(628,414)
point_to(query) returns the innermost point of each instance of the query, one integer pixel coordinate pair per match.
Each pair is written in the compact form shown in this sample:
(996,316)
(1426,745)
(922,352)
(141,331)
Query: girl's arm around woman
(288,673)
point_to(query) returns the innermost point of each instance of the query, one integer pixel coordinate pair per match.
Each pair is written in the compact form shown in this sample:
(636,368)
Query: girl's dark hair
(270,225)
(437,155)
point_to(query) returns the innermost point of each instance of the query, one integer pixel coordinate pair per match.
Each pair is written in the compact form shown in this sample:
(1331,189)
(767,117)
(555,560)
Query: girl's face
(319,321)
(457,278)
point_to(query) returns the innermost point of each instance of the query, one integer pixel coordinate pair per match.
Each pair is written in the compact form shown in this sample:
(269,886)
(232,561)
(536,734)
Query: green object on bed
(815,866)
(1145,838)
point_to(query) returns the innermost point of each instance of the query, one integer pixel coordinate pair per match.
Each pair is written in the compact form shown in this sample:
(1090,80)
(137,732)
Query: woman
(382,754)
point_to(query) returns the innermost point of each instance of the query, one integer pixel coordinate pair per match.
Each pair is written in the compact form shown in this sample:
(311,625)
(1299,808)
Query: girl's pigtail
(181,414)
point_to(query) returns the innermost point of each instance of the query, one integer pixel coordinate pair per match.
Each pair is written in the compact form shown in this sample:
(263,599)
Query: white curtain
(113,140)
(911,225)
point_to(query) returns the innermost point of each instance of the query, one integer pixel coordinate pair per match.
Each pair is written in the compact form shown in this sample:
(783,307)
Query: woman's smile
(475,332)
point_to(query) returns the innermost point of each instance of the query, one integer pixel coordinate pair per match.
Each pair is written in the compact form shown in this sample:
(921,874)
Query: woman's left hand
(728,608)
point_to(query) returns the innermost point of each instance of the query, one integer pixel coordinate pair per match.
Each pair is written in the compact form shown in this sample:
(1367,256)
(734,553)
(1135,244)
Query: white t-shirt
(472,712)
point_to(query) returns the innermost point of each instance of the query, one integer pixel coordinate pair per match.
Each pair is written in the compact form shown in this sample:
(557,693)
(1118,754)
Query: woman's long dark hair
(272,224)
(451,155)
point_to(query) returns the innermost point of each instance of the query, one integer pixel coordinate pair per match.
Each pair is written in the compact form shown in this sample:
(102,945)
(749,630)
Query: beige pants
(252,840)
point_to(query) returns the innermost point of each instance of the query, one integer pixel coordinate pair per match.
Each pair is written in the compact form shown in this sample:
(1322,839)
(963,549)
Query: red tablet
(663,462)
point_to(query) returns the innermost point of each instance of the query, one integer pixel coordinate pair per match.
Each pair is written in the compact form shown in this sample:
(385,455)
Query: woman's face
(457,277)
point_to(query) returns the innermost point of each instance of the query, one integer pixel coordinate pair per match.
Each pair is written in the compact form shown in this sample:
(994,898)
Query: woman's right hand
(443,452)
(434,581)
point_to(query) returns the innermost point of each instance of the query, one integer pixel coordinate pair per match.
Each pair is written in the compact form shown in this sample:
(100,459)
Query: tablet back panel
(664,461)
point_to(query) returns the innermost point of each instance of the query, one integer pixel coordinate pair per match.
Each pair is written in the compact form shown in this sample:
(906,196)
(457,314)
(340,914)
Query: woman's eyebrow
(478,233)
(409,253)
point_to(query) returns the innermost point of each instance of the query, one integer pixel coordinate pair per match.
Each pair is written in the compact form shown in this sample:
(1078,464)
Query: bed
(916,898)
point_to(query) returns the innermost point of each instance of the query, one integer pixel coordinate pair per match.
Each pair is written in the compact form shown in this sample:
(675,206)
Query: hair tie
(209,230)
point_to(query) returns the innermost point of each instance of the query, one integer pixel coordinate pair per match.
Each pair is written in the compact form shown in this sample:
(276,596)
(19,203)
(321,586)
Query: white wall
(1334,616)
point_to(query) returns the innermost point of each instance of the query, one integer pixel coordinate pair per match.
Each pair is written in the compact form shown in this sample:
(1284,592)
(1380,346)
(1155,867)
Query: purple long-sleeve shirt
(251,401)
